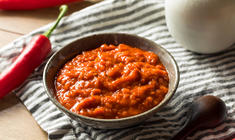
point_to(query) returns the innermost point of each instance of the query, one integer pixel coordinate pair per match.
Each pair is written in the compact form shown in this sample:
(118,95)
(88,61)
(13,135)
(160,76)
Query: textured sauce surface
(112,82)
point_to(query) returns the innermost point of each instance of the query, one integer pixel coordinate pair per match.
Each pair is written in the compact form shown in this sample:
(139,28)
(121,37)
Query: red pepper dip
(112,82)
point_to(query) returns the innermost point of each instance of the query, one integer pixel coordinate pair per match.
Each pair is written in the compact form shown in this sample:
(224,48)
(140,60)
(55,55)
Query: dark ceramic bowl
(91,42)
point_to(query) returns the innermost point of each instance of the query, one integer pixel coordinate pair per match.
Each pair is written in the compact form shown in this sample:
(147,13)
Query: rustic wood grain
(16,122)
(6,37)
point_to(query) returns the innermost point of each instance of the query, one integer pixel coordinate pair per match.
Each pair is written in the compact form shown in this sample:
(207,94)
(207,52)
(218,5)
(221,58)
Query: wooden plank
(16,122)
(7,37)
(26,21)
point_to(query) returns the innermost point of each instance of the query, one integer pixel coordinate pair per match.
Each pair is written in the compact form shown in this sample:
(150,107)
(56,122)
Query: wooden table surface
(15,120)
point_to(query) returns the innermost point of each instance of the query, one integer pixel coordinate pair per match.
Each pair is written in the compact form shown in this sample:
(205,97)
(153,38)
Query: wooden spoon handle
(185,131)
(207,111)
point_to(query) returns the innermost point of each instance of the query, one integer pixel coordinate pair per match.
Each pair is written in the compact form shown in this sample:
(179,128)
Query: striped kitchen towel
(200,74)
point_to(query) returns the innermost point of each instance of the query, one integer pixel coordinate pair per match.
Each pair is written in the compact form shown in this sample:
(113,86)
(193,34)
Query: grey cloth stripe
(106,19)
(200,74)
(106,27)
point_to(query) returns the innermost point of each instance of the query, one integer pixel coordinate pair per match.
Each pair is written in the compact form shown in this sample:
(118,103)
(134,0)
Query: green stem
(63,9)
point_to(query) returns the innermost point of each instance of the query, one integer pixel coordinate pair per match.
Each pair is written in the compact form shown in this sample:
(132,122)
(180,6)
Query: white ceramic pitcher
(203,26)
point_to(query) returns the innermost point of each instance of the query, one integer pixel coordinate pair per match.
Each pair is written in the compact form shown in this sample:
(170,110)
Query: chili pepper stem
(63,10)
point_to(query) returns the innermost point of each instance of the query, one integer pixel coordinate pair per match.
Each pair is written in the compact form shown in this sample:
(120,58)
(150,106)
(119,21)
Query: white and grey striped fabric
(200,74)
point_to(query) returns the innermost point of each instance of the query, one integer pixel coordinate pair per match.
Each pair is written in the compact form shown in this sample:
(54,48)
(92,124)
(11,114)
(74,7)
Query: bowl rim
(155,108)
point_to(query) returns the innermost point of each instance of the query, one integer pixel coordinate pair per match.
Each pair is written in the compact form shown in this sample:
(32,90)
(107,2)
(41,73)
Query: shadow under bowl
(68,52)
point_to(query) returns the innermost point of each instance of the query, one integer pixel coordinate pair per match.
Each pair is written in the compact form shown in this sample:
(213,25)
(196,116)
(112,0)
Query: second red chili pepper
(30,4)
(31,57)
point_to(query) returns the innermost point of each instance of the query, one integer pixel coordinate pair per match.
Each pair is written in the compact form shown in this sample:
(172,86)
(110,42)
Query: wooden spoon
(207,111)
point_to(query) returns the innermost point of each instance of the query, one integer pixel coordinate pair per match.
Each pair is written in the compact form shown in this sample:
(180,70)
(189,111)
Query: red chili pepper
(31,57)
(30,4)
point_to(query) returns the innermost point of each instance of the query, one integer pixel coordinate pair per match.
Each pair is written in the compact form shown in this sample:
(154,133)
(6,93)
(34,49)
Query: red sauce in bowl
(112,82)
